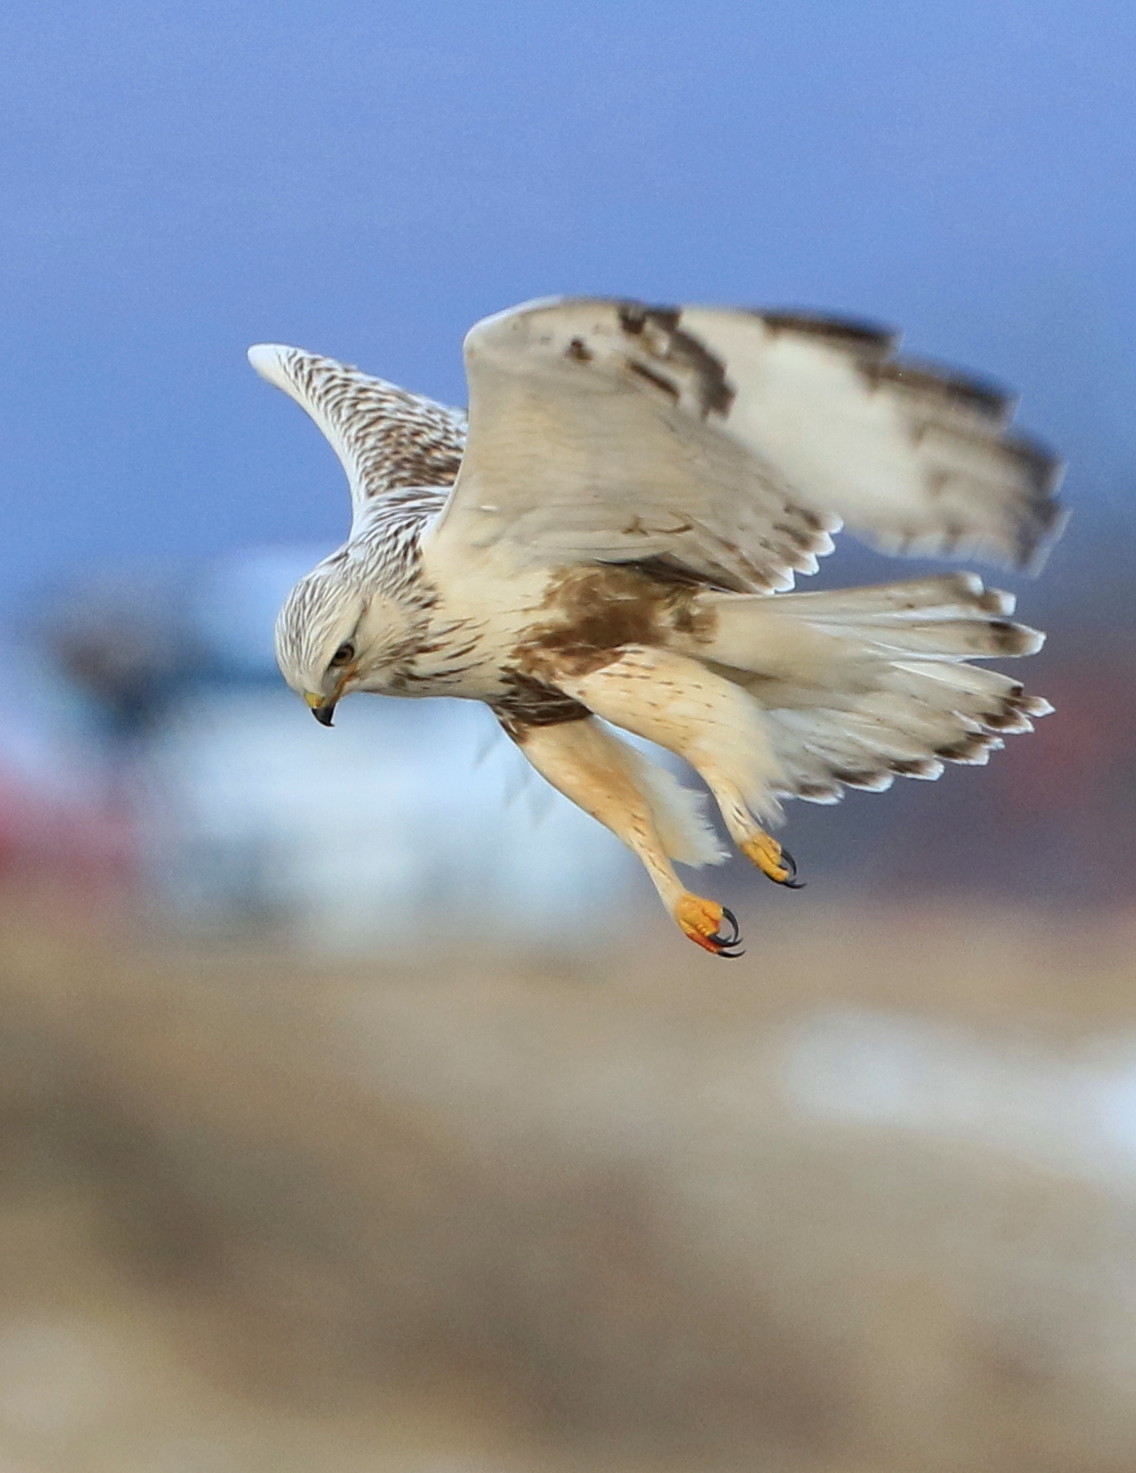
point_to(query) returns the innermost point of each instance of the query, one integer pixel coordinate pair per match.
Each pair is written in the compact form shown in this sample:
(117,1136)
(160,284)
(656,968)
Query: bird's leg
(708,721)
(604,777)
(759,847)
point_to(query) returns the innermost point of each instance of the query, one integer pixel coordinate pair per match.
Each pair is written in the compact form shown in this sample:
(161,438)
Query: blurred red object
(70,850)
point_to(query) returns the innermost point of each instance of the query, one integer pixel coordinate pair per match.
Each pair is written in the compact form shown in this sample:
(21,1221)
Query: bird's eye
(344,654)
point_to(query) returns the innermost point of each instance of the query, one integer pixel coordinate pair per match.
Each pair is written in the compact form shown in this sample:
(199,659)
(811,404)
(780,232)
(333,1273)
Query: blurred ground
(862,1202)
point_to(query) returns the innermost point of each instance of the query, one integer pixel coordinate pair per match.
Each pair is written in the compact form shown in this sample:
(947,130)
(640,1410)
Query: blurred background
(359,1109)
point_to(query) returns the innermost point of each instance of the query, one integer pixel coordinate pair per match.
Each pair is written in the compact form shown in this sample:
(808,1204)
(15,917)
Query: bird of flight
(612,534)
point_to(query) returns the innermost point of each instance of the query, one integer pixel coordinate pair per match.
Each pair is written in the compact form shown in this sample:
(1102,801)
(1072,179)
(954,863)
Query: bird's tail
(861,685)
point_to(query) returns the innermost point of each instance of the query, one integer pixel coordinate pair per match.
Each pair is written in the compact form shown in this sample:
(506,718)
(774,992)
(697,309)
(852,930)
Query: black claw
(792,883)
(736,931)
(727,945)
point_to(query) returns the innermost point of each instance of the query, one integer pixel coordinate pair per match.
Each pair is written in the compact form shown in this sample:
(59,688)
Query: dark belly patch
(527,702)
(591,614)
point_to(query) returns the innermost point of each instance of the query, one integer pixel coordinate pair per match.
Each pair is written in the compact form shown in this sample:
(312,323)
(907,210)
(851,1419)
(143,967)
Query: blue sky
(179,181)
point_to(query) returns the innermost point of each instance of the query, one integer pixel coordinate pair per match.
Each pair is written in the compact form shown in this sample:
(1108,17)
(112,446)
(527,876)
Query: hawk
(610,538)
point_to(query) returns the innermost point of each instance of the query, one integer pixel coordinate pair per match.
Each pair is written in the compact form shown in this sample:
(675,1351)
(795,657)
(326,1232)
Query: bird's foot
(772,860)
(708,924)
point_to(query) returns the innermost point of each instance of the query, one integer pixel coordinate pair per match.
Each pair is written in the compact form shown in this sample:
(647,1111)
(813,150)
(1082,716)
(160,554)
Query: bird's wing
(384,436)
(731,444)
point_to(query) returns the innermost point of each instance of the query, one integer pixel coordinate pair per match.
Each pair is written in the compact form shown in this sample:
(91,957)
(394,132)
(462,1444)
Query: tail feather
(940,596)
(862,685)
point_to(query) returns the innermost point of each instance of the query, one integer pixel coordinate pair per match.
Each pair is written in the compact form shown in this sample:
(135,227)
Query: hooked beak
(321,709)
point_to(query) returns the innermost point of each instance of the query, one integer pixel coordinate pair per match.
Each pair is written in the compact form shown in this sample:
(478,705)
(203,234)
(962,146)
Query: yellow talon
(764,851)
(703,921)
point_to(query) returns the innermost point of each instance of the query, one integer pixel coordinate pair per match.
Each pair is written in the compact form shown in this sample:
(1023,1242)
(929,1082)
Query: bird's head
(333,637)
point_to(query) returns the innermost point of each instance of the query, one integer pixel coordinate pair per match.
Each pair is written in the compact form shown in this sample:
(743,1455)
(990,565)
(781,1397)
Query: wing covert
(385,437)
(733,443)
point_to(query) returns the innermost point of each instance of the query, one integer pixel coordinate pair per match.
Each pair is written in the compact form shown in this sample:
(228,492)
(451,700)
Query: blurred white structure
(380,832)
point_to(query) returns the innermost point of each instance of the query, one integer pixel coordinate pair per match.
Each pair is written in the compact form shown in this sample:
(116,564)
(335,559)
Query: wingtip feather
(268,360)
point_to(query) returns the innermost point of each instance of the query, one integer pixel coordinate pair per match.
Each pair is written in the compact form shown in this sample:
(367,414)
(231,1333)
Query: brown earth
(487,1215)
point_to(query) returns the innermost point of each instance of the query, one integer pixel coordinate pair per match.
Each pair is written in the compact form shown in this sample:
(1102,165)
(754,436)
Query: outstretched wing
(731,444)
(384,436)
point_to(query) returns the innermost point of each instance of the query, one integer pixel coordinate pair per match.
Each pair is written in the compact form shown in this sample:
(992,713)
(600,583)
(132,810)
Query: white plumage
(637,481)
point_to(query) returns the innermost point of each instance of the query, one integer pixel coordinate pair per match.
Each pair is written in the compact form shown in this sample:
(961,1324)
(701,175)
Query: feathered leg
(708,721)
(644,806)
